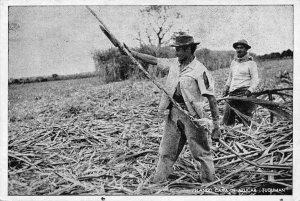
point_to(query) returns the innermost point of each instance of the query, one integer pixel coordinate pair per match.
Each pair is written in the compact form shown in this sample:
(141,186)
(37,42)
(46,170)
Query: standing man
(242,81)
(188,82)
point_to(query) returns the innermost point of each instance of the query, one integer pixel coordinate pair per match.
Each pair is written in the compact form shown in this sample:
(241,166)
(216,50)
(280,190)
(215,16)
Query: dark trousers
(178,130)
(245,108)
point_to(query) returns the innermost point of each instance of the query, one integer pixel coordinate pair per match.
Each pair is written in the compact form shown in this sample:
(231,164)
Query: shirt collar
(189,66)
(245,58)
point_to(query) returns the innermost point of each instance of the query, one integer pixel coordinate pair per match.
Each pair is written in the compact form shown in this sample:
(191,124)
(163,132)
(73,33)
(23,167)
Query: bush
(54,76)
(15,81)
(41,79)
(287,54)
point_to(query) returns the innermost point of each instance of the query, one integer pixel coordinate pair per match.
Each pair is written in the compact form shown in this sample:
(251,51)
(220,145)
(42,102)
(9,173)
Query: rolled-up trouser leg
(170,147)
(199,145)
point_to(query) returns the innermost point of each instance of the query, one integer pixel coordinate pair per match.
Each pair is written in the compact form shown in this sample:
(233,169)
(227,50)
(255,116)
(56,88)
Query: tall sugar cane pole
(118,44)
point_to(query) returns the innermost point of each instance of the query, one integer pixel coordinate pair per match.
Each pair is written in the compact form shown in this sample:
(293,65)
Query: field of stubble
(80,137)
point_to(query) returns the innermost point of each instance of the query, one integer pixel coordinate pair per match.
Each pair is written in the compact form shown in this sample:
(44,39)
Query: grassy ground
(79,137)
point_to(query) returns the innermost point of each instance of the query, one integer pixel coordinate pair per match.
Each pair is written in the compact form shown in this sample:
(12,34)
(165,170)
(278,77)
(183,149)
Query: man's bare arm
(215,116)
(213,107)
(145,57)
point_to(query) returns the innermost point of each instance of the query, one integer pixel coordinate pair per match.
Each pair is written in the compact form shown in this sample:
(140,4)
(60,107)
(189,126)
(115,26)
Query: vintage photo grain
(134,100)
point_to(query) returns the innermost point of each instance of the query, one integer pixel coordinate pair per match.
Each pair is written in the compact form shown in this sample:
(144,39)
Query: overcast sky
(60,39)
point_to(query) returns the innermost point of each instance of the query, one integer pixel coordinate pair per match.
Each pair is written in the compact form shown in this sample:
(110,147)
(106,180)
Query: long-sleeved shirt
(195,81)
(243,74)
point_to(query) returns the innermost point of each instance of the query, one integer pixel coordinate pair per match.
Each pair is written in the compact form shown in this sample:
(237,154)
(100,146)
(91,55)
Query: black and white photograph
(116,100)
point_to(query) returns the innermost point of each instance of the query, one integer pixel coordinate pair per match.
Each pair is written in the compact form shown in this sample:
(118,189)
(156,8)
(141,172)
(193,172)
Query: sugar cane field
(81,137)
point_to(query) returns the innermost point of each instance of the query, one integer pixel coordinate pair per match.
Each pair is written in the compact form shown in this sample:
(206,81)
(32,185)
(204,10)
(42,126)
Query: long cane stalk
(118,44)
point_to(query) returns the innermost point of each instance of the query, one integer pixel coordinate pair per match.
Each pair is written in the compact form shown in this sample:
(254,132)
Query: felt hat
(183,40)
(241,42)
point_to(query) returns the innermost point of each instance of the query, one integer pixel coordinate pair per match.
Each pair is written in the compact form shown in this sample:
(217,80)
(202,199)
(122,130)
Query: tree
(158,23)
(54,76)
(289,53)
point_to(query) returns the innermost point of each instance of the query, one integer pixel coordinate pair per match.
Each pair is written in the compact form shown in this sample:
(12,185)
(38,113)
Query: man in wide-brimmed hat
(242,81)
(188,82)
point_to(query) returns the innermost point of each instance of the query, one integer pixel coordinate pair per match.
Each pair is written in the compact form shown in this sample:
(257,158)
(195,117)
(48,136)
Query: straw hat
(241,42)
